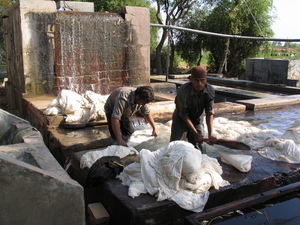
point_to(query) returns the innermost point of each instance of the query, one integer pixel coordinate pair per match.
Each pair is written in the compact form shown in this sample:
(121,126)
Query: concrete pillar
(139,45)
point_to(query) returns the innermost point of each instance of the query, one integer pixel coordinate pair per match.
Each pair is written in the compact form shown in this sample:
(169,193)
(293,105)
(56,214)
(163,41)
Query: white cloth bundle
(178,172)
(239,161)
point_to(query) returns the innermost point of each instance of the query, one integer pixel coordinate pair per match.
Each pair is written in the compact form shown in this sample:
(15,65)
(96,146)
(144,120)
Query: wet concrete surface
(64,142)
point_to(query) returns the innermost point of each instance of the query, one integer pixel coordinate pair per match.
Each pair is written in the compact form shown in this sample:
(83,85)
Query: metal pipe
(224,35)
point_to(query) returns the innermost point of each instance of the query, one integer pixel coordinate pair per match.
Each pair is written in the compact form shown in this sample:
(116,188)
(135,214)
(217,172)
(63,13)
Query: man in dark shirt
(123,103)
(192,100)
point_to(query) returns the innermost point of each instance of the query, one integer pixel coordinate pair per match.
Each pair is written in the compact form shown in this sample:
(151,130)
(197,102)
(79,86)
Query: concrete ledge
(228,107)
(164,87)
(162,111)
(64,142)
(240,93)
(273,102)
(31,192)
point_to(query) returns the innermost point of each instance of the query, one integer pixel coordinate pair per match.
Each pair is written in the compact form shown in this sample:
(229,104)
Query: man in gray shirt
(123,103)
(192,100)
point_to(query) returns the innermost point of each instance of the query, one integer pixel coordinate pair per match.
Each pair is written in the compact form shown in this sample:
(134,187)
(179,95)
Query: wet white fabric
(89,158)
(269,143)
(239,161)
(293,132)
(77,108)
(142,134)
(178,172)
(281,150)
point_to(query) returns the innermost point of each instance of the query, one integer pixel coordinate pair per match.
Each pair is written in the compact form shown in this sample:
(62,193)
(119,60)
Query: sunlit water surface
(273,122)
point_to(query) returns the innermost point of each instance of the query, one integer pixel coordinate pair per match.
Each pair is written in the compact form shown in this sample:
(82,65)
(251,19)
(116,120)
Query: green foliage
(4,4)
(190,45)
(112,5)
(244,18)
(164,55)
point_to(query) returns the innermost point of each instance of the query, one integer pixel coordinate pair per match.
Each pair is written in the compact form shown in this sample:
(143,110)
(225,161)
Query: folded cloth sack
(239,161)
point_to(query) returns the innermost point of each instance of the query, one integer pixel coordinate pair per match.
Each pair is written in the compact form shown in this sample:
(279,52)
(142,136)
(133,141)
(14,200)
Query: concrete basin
(32,181)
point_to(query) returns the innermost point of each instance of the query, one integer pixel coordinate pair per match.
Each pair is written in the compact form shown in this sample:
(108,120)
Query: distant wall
(273,71)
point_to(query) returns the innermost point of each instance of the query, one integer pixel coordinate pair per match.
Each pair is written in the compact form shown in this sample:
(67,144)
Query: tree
(4,4)
(173,10)
(190,45)
(235,17)
(113,5)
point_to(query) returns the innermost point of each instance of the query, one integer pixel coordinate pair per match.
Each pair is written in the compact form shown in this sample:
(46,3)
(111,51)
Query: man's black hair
(145,93)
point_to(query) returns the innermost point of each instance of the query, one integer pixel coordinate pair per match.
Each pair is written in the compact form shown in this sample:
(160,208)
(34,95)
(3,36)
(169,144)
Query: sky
(287,23)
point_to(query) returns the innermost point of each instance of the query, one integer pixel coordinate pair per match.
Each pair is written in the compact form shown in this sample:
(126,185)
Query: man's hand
(154,133)
(198,138)
(121,142)
(211,140)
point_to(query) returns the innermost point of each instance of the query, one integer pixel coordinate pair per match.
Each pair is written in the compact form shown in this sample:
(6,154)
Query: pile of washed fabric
(76,108)
(178,172)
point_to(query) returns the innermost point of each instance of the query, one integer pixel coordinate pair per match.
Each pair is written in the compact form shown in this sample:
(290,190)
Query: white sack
(239,161)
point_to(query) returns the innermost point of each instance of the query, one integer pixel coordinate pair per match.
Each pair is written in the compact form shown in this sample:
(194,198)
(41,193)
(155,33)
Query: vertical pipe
(168,55)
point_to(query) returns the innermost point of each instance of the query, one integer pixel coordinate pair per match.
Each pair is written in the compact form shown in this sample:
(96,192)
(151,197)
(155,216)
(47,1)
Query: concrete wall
(273,71)
(35,189)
